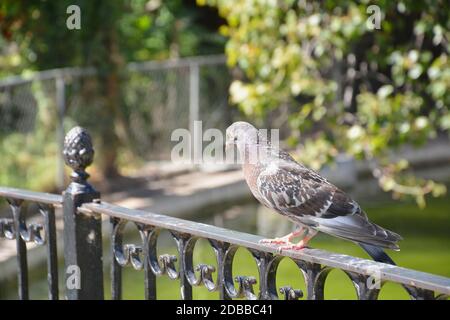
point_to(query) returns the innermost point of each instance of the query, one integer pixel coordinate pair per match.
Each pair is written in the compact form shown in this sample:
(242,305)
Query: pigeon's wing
(304,196)
(297,190)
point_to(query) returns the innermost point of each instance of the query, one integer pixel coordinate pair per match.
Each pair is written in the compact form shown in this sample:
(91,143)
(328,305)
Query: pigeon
(303,196)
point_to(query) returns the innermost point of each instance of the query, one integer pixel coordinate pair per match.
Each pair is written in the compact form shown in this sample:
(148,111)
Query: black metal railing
(16,229)
(83,212)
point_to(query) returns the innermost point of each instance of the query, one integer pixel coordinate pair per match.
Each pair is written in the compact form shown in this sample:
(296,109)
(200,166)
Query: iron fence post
(82,232)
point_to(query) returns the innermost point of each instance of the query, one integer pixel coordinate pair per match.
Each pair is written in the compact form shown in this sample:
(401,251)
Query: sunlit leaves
(391,178)
(356,90)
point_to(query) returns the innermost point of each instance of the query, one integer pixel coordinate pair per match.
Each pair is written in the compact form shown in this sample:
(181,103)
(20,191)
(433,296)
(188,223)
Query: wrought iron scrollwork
(162,264)
(166,263)
(130,254)
(7,229)
(220,249)
(366,288)
(245,284)
(127,254)
(442,296)
(245,287)
(28,233)
(267,264)
(32,233)
(205,276)
(267,267)
(419,293)
(17,229)
(291,294)
(204,271)
(182,240)
(315,276)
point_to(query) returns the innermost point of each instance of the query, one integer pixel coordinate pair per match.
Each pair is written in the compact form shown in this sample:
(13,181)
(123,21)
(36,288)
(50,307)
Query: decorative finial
(78,153)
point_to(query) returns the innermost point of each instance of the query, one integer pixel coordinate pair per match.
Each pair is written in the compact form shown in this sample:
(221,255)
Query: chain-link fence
(155,98)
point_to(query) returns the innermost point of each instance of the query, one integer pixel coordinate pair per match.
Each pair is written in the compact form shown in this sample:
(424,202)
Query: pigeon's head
(241,134)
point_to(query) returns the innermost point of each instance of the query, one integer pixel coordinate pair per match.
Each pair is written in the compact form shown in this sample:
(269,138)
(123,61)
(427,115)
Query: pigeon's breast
(251,174)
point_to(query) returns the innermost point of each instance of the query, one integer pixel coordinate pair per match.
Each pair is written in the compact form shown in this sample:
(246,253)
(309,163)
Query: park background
(363,100)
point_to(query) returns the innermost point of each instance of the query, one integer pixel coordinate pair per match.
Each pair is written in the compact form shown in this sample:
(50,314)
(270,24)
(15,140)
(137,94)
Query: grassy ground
(425,247)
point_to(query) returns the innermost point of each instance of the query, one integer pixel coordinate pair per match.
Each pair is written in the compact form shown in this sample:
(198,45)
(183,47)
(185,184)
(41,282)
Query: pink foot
(274,241)
(285,239)
(293,247)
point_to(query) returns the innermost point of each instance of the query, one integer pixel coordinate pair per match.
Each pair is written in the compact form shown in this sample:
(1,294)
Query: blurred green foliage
(28,145)
(34,36)
(348,87)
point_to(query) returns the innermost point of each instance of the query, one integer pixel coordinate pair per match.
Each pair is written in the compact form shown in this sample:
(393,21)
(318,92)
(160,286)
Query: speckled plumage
(301,194)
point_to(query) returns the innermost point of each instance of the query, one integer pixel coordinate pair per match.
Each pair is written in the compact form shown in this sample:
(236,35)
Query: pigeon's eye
(235,139)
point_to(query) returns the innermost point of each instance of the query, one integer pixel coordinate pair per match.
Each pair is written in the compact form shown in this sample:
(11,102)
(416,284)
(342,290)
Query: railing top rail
(176,63)
(39,197)
(132,66)
(351,264)
(46,75)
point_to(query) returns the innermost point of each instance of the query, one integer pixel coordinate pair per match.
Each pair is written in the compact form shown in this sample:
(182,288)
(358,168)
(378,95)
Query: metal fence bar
(47,75)
(149,276)
(116,270)
(22,263)
(52,256)
(185,286)
(32,196)
(132,66)
(194,108)
(61,106)
(176,63)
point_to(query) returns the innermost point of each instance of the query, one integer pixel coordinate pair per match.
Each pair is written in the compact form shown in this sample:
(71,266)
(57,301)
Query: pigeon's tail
(377,253)
(358,228)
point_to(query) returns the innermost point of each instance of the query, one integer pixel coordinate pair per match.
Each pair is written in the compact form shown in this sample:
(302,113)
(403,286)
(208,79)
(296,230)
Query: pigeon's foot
(274,241)
(301,244)
(293,246)
(283,240)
